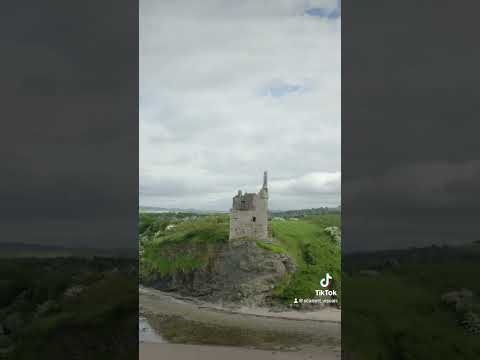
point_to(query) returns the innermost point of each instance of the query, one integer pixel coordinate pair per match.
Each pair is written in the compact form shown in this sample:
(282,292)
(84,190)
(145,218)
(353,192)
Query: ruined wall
(251,222)
(245,202)
(249,214)
(241,224)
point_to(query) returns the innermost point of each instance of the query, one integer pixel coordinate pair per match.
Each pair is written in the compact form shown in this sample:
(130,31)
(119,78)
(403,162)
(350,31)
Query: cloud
(279,88)
(329,9)
(328,4)
(69,92)
(309,184)
(419,186)
(412,205)
(230,89)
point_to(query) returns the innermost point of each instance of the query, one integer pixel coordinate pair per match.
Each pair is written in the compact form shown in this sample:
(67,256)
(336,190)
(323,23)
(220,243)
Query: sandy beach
(152,351)
(255,333)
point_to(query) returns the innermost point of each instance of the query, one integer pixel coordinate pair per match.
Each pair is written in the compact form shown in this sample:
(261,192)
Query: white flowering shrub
(334,232)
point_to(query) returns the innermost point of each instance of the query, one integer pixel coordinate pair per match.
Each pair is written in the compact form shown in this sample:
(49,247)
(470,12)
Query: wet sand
(254,333)
(151,351)
(146,333)
(326,321)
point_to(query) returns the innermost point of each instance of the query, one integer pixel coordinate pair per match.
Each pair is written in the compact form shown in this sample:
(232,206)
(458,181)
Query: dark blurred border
(410,188)
(69,179)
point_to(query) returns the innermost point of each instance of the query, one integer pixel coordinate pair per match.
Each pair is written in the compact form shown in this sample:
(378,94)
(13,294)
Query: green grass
(104,315)
(99,313)
(398,314)
(314,252)
(193,242)
(271,247)
(189,246)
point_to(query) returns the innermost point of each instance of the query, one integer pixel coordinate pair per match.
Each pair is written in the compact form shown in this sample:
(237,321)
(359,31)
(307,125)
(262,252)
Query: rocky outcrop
(240,272)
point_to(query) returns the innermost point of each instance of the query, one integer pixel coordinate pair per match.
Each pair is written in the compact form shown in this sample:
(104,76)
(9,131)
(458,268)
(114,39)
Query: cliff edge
(239,271)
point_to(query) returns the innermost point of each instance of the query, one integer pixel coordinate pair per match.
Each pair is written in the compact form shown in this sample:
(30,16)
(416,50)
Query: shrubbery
(194,239)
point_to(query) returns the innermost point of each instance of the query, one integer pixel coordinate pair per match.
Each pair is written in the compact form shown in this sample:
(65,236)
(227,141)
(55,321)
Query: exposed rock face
(241,272)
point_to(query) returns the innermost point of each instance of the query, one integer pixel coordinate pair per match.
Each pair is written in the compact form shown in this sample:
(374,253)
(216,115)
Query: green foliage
(50,285)
(271,247)
(14,279)
(315,254)
(194,241)
(104,315)
(419,325)
(150,224)
(189,245)
(308,253)
(306,212)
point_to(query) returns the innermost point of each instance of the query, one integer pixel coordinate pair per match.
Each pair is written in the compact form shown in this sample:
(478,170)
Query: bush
(308,253)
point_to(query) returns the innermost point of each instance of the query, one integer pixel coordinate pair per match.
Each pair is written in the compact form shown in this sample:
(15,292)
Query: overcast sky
(68,158)
(229,89)
(410,155)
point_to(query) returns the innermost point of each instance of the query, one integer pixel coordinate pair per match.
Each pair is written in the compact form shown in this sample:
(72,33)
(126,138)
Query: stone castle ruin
(249,214)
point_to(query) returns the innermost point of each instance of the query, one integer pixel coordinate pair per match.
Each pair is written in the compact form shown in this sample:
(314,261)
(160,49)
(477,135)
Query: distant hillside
(24,250)
(424,255)
(304,212)
(272,213)
(153,209)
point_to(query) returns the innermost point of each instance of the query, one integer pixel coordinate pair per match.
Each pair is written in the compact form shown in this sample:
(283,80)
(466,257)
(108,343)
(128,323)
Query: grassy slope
(103,316)
(187,247)
(194,241)
(421,326)
(314,252)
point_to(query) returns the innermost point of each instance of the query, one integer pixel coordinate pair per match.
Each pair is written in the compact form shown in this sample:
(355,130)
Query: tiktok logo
(325,282)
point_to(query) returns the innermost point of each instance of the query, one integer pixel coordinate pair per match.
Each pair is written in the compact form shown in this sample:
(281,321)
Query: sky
(68,150)
(229,89)
(227,92)
(410,157)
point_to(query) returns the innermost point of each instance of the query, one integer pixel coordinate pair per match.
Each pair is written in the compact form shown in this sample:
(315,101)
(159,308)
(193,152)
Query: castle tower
(249,214)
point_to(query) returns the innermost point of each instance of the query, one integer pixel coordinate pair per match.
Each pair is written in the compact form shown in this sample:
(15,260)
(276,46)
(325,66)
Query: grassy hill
(188,246)
(314,250)
(41,321)
(181,242)
(398,313)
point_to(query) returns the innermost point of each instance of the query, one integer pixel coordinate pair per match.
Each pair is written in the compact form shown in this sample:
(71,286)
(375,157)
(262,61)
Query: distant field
(398,313)
(172,242)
